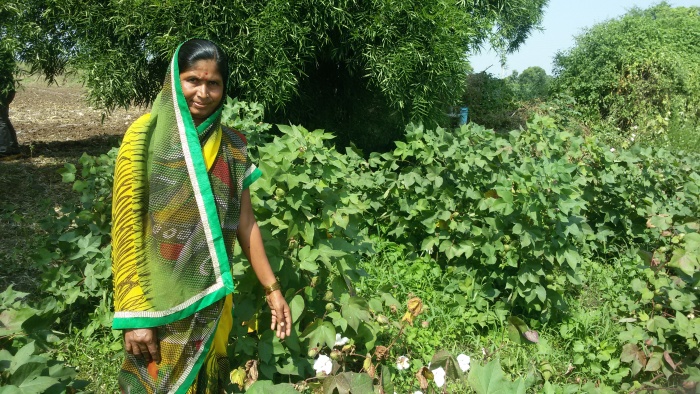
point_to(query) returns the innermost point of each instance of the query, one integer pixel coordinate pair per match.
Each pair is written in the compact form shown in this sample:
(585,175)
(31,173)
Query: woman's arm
(251,243)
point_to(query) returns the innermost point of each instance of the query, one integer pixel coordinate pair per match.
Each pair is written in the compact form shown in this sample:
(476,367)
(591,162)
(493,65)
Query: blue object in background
(463,115)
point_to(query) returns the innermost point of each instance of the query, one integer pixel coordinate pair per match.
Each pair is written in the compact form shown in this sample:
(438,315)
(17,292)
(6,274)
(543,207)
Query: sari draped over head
(176,208)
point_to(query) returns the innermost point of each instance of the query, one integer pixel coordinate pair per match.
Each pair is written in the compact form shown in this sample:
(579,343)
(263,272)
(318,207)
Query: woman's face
(203,88)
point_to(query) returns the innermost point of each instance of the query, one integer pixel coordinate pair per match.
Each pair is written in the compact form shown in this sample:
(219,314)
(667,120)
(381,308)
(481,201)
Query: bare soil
(54,126)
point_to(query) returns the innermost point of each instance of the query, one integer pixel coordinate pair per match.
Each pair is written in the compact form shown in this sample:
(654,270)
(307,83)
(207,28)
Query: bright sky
(563,19)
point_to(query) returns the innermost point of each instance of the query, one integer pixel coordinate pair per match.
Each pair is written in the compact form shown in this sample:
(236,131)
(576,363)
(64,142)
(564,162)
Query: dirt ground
(55,120)
(54,126)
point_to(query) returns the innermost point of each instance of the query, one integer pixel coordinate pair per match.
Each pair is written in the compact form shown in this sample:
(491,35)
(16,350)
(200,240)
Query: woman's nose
(203,91)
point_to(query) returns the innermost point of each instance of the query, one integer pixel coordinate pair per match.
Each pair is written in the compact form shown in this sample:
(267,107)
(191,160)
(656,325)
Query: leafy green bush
(482,227)
(524,210)
(27,364)
(636,76)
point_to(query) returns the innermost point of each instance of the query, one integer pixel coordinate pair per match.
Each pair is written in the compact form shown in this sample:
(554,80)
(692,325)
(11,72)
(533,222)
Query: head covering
(169,257)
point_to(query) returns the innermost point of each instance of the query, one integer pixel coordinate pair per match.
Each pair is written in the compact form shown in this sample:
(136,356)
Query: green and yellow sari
(176,208)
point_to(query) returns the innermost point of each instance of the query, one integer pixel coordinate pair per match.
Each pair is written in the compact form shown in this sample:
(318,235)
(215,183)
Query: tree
(328,63)
(8,66)
(637,73)
(532,84)
(491,102)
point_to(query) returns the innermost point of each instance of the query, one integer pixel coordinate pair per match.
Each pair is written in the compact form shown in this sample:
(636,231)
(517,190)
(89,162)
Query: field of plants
(464,260)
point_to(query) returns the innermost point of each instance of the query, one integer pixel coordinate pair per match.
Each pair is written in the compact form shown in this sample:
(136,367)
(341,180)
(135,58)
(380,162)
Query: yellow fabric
(123,235)
(224,329)
(211,148)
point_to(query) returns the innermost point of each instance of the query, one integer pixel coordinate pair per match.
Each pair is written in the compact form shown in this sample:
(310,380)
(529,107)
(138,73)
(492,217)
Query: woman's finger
(288,320)
(278,322)
(283,325)
(127,346)
(273,321)
(145,353)
(154,351)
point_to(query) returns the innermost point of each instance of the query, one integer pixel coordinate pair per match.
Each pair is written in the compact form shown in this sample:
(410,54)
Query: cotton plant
(464,362)
(439,375)
(402,363)
(323,365)
(341,340)
(445,366)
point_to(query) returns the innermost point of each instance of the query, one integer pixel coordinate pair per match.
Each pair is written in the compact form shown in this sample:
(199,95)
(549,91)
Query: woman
(181,200)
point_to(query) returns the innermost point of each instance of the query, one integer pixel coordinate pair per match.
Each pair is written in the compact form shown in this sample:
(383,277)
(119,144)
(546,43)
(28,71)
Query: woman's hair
(198,49)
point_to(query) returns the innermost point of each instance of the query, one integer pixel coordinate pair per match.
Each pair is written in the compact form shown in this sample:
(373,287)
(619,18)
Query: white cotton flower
(323,364)
(634,135)
(402,363)
(463,360)
(439,376)
(691,316)
(417,392)
(612,149)
(340,341)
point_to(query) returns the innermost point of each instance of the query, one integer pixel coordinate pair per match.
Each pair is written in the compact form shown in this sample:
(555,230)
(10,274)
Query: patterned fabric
(177,192)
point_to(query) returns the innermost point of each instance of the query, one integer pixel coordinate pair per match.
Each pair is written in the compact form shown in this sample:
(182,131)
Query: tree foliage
(532,84)
(639,72)
(491,102)
(321,63)
(8,66)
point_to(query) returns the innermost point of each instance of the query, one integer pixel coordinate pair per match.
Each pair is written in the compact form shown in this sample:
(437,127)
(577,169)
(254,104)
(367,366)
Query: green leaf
(10,389)
(541,293)
(655,362)
(67,173)
(355,311)
(338,320)
(630,352)
(296,306)
(26,372)
(448,362)
(685,261)
(292,366)
(490,379)
(385,380)
(514,335)
(38,384)
(662,222)
(22,356)
(268,387)
(11,320)
(269,346)
(320,333)
(348,382)
(518,323)
(693,374)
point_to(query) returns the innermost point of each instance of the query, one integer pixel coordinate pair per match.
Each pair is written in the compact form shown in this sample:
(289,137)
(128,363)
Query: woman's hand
(142,342)
(281,316)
